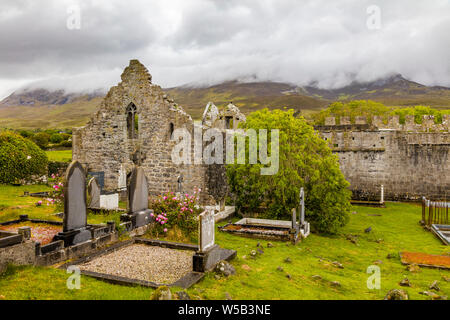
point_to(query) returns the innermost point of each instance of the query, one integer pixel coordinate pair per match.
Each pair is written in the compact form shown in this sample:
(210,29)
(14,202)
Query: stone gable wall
(103,144)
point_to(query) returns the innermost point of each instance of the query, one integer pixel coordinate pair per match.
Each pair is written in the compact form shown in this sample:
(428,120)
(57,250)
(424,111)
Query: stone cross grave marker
(94,193)
(206,230)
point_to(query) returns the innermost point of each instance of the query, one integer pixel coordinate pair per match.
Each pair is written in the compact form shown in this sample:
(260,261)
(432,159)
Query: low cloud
(206,42)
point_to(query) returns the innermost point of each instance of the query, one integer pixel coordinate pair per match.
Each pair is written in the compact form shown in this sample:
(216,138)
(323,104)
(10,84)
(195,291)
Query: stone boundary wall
(393,122)
(411,160)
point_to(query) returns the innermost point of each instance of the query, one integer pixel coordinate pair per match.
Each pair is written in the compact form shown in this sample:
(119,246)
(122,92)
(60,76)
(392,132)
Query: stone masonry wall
(411,160)
(19,254)
(104,144)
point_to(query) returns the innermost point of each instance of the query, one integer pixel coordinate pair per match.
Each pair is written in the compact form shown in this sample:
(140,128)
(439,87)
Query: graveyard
(318,267)
(127,220)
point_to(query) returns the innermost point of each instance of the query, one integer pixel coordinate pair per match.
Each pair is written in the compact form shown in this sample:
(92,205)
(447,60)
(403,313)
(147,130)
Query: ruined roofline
(393,123)
(134,69)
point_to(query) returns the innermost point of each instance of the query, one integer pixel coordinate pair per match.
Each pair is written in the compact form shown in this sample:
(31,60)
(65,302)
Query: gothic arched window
(132,121)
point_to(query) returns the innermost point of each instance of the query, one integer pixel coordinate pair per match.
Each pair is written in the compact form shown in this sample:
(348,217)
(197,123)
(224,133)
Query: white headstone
(206,230)
(122,185)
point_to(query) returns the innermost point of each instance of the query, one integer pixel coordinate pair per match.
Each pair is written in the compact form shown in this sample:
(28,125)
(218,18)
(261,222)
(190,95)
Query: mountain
(247,96)
(34,97)
(394,90)
(41,108)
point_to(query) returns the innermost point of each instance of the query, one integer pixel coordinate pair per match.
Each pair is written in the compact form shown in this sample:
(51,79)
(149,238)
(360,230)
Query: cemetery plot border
(185,282)
(442,231)
(293,230)
(56,251)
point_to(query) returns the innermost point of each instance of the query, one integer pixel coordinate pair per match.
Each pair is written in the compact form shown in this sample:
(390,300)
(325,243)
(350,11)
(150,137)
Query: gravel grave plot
(144,262)
(40,232)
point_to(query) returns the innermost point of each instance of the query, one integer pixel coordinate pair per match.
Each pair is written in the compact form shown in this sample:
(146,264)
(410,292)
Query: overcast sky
(206,42)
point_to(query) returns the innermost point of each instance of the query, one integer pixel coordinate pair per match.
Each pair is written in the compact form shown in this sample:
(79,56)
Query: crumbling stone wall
(411,160)
(19,254)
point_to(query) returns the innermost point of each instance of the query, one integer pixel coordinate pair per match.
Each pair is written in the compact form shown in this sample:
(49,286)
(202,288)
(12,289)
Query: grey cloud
(205,42)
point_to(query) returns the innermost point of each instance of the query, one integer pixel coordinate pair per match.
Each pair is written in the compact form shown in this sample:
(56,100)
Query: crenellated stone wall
(411,160)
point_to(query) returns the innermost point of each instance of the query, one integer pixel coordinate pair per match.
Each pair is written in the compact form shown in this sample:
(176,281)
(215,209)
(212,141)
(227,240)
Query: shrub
(66,136)
(20,158)
(41,139)
(57,193)
(26,134)
(57,167)
(56,138)
(305,160)
(66,144)
(369,109)
(171,211)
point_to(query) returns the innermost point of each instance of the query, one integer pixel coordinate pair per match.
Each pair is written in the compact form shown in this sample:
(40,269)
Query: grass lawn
(60,155)
(397,229)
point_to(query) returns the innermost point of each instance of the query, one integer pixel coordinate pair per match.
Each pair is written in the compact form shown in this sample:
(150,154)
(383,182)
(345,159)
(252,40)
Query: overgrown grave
(282,230)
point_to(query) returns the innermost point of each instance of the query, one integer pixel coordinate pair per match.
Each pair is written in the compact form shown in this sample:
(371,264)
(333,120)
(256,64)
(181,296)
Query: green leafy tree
(56,138)
(20,158)
(369,109)
(41,139)
(305,160)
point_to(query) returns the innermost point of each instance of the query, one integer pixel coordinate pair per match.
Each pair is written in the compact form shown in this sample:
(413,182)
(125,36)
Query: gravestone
(122,184)
(100,176)
(206,230)
(75,219)
(94,193)
(299,226)
(138,210)
(180,181)
(209,254)
(302,206)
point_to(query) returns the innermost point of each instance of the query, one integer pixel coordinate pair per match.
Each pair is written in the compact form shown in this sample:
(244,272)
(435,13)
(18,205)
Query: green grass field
(396,230)
(60,155)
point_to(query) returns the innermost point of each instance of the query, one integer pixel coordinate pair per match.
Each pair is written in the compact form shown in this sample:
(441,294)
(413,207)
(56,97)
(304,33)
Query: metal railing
(434,212)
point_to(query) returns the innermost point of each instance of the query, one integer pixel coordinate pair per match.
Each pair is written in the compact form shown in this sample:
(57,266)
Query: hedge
(20,158)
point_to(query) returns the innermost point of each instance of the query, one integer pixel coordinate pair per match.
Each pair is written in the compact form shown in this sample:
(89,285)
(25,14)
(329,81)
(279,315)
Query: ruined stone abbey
(135,122)
(134,126)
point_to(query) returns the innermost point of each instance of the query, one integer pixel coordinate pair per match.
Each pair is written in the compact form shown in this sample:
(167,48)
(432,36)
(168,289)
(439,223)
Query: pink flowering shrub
(57,192)
(171,211)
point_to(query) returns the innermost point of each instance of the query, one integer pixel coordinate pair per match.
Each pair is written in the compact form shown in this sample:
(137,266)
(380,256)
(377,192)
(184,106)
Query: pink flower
(165,229)
(165,198)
